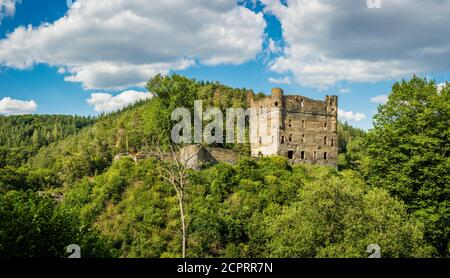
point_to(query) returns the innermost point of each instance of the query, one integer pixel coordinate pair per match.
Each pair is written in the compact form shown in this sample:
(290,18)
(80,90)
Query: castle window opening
(276,103)
(290,123)
(290,138)
(325,125)
(332,142)
(282,139)
(325,155)
(303,138)
(291,154)
(325,140)
(302,155)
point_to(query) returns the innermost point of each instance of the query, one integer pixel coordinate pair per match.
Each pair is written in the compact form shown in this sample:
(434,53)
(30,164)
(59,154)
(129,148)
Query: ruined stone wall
(306,131)
(195,156)
(268,125)
(224,155)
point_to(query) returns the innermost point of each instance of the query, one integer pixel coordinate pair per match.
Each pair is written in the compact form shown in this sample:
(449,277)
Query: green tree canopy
(409,153)
(32,225)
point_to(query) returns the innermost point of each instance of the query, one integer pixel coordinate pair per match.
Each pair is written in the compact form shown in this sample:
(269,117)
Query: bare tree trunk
(183,221)
(173,169)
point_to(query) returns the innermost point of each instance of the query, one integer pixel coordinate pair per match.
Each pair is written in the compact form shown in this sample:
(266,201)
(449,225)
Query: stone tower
(299,128)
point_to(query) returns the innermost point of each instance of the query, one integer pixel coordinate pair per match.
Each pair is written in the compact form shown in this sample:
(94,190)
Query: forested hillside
(22,136)
(391,188)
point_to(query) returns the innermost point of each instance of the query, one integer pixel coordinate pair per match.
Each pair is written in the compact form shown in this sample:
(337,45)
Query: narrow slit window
(325,155)
(302,155)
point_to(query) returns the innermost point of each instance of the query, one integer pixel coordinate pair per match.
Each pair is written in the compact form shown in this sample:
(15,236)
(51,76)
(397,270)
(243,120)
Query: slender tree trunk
(174,171)
(183,220)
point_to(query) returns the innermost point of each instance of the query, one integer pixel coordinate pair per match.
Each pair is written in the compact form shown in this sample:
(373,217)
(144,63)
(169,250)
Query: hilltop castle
(296,127)
(304,130)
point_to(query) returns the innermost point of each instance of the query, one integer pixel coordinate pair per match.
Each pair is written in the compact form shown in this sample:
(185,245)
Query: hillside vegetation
(22,136)
(78,194)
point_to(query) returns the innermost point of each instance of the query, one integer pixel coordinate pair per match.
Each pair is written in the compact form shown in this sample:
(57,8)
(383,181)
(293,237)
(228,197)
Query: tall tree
(409,153)
(173,168)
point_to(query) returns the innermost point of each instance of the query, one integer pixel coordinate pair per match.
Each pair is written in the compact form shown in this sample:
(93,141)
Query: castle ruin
(296,127)
(301,129)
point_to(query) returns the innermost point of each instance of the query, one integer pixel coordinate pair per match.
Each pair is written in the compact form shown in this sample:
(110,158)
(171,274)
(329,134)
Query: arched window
(291,154)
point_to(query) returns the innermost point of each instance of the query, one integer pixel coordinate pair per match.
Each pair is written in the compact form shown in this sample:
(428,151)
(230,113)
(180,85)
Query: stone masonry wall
(306,131)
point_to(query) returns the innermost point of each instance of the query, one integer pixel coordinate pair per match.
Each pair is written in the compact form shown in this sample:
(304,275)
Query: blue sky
(56,60)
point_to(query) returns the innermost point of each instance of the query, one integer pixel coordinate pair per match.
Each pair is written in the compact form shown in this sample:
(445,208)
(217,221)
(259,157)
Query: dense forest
(22,136)
(391,188)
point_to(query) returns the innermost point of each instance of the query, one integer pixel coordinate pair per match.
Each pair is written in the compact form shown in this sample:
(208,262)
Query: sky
(90,56)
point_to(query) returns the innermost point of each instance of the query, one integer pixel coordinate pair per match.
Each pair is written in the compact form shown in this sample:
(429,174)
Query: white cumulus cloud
(285,80)
(274,47)
(9,106)
(328,41)
(351,116)
(104,102)
(117,44)
(381,99)
(7,8)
